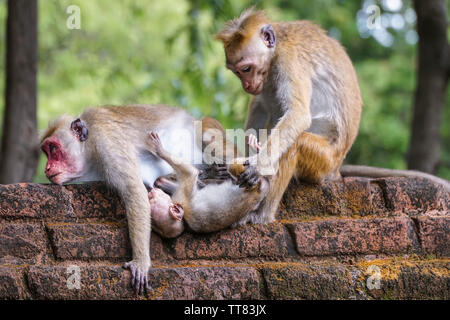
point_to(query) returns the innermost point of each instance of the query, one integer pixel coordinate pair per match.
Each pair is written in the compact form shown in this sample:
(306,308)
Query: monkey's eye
(246,69)
(51,148)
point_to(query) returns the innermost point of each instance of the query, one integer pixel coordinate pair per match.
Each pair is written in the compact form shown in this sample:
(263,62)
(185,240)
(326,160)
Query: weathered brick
(307,281)
(251,241)
(309,199)
(95,200)
(205,283)
(89,241)
(434,234)
(109,282)
(414,195)
(22,240)
(87,223)
(11,286)
(96,282)
(34,201)
(361,197)
(351,196)
(97,241)
(406,279)
(353,236)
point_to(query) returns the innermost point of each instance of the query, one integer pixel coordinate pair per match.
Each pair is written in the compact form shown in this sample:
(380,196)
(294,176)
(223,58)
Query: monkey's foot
(214,171)
(139,275)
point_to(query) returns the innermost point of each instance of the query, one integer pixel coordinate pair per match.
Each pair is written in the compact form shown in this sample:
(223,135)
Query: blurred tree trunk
(20,152)
(432,78)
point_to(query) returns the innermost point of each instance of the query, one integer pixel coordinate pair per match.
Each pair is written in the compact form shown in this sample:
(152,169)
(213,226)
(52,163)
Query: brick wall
(331,241)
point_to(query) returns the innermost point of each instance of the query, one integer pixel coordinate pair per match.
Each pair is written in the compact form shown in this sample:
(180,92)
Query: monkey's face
(62,165)
(160,203)
(164,211)
(64,148)
(65,157)
(252,77)
(250,61)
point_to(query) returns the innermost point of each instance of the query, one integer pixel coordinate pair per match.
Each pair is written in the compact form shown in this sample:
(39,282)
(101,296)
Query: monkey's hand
(254,143)
(154,143)
(139,275)
(249,177)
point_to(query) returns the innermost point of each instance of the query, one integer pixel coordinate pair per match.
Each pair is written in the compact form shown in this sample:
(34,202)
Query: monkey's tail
(373,172)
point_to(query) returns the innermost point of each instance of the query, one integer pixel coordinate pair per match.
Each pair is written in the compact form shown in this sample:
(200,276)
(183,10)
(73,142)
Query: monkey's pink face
(163,209)
(61,166)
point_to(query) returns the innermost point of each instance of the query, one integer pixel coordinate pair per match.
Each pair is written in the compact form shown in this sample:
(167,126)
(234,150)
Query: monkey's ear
(176,211)
(268,36)
(79,129)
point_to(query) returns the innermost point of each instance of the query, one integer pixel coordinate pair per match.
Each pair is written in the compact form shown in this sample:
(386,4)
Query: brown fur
(303,61)
(117,136)
(237,32)
(310,95)
(216,206)
(116,141)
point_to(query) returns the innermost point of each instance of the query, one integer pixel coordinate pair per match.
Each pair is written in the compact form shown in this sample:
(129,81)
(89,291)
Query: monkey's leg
(277,185)
(316,159)
(186,173)
(311,158)
(216,147)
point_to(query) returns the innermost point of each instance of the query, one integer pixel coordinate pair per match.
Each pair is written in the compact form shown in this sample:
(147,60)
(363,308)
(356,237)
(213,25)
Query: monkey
(211,208)
(109,144)
(305,88)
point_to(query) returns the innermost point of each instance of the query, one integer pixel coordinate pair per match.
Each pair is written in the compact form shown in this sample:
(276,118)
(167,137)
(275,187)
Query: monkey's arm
(120,169)
(257,117)
(295,95)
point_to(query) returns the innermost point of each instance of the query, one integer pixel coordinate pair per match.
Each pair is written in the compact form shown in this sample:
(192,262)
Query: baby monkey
(209,208)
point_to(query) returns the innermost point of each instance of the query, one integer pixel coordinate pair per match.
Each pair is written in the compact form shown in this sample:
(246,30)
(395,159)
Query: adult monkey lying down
(109,144)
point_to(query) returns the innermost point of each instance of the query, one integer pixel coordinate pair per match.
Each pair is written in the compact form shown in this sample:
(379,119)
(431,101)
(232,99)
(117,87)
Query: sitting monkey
(211,208)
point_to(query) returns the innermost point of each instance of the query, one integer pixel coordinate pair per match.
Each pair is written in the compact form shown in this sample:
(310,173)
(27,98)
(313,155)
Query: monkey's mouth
(257,90)
(53,176)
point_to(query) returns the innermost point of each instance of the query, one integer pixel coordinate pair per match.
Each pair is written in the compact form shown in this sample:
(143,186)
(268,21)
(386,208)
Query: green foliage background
(162,51)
